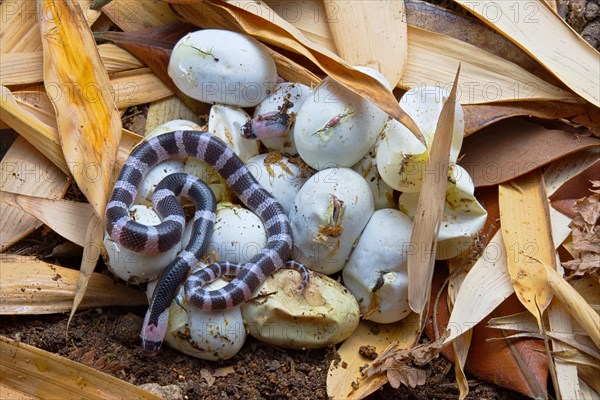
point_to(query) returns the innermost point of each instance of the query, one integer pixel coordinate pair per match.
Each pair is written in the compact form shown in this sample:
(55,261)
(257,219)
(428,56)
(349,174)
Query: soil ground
(108,339)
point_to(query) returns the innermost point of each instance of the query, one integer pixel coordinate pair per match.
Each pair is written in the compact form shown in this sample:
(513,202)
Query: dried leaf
(575,304)
(585,232)
(26,170)
(478,116)
(525,147)
(40,373)
(345,379)
(89,125)
(31,286)
(575,188)
(134,15)
(371,34)
(571,59)
(519,365)
(430,208)
(67,218)
(525,223)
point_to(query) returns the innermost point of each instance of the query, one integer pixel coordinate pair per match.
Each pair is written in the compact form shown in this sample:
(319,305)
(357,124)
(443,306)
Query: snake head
(153,332)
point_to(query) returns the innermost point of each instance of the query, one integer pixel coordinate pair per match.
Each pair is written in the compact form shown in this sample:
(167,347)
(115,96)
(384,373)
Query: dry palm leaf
(345,379)
(431,17)
(26,170)
(31,286)
(430,209)
(371,34)
(432,60)
(67,218)
(260,21)
(135,87)
(166,110)
(38,373)
(42,136)
(531,26)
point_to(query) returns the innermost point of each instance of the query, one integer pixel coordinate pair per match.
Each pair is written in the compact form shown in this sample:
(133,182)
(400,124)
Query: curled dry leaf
(585,231)
(525,146)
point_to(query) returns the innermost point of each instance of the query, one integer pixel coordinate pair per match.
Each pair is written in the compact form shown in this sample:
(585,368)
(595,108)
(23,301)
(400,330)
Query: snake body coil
(156,239)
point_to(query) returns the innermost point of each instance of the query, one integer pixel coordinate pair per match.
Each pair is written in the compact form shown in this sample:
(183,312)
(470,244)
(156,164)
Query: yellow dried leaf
(41,374)
(525,224)
(89,125)
(31,286)
(345,380)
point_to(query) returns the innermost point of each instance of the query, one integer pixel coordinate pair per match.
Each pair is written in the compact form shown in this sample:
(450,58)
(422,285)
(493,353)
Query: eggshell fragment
(294,93)
(336,127)
(376,272)
(137,267)
(218,66)
(278,176)
(226,122)
(208,335)
(325,313)
(463,216)
(327,216)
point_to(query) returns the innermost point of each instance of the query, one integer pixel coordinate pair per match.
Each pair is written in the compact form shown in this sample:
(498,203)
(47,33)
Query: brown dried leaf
(407,376)
(525,146)
(585,231)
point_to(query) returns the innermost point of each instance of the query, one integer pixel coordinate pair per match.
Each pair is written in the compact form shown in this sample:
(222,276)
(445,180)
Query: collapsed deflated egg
(324,313)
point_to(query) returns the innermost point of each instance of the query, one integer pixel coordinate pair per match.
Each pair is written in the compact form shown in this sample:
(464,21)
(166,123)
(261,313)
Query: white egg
(136,267)
(278,176)
(463,216)
(218,66)
(383,194)
(376,272)
(328,214)
(323,314)
(208,335)
(238,234)
(401,158)
(336,127)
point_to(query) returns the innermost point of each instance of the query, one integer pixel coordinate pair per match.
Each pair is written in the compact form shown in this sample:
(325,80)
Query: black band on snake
(156,239)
